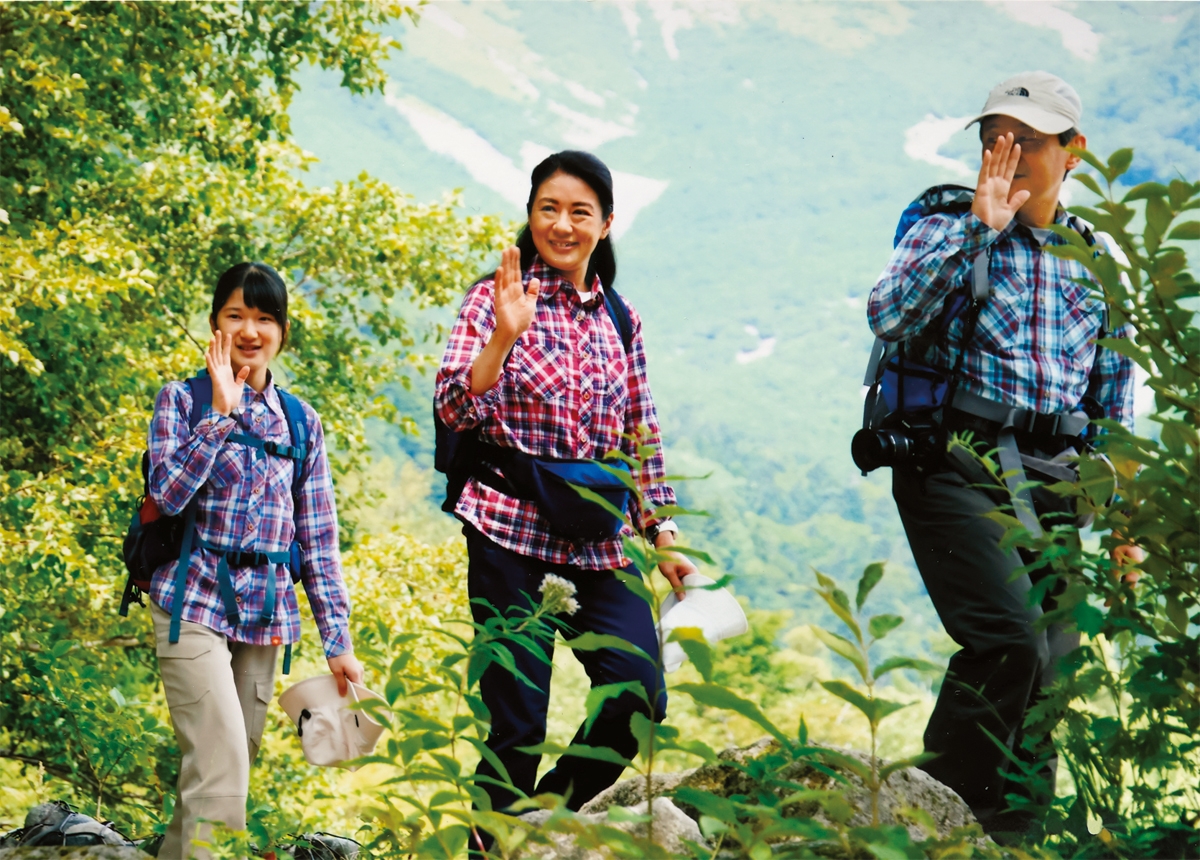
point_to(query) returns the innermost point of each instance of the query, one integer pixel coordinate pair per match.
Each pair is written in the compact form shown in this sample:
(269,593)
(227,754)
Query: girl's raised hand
(226,388)
(513,305)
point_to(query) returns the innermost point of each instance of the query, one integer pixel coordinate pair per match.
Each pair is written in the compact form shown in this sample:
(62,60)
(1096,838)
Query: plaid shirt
(245,502)
(567,391)
(1034,345)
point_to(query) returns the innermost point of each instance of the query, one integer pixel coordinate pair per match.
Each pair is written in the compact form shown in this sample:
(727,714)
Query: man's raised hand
(514,305)
(992,205)
(226,388)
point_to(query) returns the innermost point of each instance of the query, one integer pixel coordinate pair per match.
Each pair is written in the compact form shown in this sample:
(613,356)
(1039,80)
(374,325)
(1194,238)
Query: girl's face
(257,336)
(566,223)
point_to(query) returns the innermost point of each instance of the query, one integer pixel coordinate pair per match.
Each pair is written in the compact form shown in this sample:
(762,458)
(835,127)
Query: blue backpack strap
(297,423)
(619,312)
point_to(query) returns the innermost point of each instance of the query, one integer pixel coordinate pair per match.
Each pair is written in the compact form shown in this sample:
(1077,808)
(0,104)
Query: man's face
(1044,161)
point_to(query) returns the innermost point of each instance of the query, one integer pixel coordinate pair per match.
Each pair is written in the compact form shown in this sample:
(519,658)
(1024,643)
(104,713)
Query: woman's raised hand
(992,204)
(226,388)
(513,304)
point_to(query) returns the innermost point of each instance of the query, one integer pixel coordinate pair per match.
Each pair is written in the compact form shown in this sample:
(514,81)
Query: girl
(537,364)
(228,463)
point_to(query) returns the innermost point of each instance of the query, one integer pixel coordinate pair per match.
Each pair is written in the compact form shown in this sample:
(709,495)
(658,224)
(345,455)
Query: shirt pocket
(228,467)
(616,385)
(1000,319)
(539,370)
(1082,317)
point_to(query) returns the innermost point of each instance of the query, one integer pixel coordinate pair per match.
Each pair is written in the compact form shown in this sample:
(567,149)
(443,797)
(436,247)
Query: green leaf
(843,647)
(873,709)
(716,696)
(881,625)
(1126,347)
(872,573)
(61,648)
(591,641)
(635,583)
(676,511)
(1177,613)
(1158,218)
(1187,231)
(913,761)
(1119,162)
(891,664)
(579,751)
(1145,191)
(1087,181)
(692,553)
(1091,159)
(598,695)
(596,498)
(693,643)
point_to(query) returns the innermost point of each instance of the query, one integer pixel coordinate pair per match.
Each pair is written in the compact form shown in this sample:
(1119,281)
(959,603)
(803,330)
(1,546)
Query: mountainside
(763,152)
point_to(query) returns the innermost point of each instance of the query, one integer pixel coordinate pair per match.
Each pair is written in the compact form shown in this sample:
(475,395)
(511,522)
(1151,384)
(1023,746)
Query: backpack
(154,539)
(907,397)
(57,823)
(458,454)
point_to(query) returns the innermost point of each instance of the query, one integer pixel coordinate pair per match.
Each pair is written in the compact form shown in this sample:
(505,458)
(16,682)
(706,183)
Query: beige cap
(1042,101)
(330,732)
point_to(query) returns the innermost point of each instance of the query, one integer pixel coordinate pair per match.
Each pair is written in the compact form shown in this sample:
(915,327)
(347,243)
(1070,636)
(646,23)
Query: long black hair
(585,166)
(262,288)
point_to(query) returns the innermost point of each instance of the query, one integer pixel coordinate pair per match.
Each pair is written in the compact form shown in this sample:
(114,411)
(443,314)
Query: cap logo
(1017,91)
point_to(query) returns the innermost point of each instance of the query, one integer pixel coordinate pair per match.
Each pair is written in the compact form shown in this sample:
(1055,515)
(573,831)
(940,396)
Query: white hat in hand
(713,610)
(330,732)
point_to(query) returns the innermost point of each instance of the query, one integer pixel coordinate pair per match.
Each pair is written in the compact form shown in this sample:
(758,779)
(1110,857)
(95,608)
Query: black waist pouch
(551,485)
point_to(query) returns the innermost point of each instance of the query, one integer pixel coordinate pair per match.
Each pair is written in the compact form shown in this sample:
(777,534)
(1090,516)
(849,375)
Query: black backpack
(457,454)
(154,539)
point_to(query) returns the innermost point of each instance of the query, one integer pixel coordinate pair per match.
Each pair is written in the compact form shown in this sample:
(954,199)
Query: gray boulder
(672,830)
(905,788)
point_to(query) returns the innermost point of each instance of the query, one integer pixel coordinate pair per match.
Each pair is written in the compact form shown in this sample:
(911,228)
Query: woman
(219,622)
(536,362)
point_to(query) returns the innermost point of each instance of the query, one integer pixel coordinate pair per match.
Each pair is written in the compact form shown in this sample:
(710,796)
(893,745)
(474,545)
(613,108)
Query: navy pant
(518,711)
(1005,660)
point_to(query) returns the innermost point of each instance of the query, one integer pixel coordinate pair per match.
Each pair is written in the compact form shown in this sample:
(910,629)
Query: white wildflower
(558,595)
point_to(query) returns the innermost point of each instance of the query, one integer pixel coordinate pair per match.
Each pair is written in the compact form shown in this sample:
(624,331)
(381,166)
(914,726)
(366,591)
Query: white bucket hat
(713,610)
(330,732)
(1042,101)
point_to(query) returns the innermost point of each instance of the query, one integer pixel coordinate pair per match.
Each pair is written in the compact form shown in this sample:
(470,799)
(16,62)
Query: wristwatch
(666,525)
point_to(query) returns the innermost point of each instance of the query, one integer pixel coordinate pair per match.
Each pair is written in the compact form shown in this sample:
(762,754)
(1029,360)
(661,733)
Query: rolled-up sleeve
(453,401)
(317,532)
(181,460)
(932,258)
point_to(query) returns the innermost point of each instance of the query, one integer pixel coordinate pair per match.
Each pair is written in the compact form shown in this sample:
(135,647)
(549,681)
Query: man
(1033,348)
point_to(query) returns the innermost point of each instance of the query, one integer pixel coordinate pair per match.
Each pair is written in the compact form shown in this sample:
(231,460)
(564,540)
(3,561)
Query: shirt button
(587,395)
(579,316)
(252,527)
(237,599)
(257,491)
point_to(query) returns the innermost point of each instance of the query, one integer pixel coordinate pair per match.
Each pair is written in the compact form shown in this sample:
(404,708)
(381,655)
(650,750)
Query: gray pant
(218,692)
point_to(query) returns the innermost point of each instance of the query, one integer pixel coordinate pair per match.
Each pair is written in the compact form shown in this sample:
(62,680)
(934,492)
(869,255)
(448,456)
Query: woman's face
(257,335)
(567,223)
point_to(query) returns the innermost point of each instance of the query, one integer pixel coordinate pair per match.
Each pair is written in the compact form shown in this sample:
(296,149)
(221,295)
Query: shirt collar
(552,280)
(269,395)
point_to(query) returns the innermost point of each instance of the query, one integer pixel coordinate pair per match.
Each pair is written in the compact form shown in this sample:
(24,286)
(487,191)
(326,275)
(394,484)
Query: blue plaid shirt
(245,502)
(1034,345)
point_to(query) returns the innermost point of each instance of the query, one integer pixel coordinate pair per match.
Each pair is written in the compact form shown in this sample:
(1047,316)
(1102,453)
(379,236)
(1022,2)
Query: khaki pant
(218,692)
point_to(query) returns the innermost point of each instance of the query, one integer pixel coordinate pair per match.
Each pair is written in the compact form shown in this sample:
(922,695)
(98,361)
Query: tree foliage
(144,148)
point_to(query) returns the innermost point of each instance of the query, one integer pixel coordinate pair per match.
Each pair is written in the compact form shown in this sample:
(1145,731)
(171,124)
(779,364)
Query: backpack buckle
(282,450)
(246,558)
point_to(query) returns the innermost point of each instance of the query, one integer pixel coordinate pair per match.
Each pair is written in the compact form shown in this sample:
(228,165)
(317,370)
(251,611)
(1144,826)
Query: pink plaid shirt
(245,502)
(567,391)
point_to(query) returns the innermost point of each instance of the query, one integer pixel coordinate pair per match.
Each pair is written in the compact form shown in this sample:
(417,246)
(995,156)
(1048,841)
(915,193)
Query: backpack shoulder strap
(297,421)
(200,387)
(619,311)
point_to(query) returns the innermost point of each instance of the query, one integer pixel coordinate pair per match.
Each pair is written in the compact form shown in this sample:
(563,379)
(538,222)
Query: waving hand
(993,205)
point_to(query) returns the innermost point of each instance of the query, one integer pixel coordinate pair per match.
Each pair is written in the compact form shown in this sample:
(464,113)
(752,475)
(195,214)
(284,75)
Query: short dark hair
(1065,137)
(262,288)
(585,166)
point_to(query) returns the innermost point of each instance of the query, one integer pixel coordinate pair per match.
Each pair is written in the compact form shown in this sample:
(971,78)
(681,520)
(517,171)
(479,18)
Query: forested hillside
(766,151)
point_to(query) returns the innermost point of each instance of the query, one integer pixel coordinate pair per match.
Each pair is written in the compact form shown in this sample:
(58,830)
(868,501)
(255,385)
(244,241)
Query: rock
(905,788)
(672,830)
